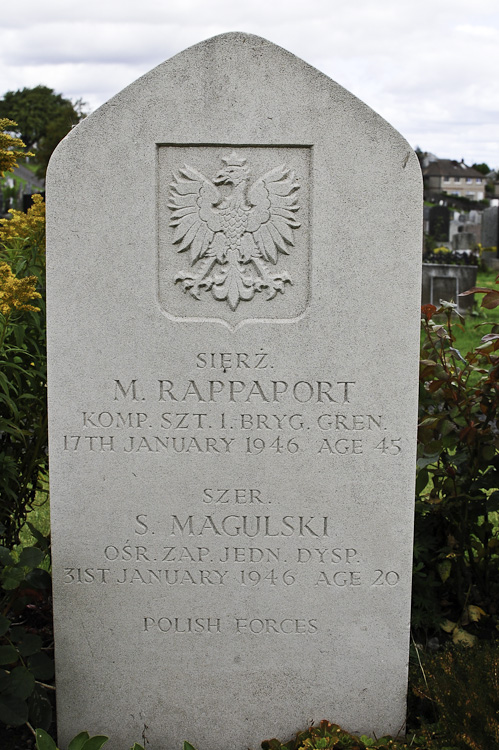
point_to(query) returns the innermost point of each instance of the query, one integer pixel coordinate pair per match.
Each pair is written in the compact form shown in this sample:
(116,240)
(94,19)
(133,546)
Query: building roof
(450,168)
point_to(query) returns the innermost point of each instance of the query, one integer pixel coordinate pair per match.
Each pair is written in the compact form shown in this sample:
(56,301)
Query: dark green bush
(456,574)
(26,660)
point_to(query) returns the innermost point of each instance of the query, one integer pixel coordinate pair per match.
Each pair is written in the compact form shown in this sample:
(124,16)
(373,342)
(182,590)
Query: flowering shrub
(23,229)
(445,255)
(10,147)
(23,411)
(15,294)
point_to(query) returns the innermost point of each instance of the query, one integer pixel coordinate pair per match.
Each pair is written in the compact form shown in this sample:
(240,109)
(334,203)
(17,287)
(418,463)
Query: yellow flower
(9,147)
(25,225)
(15,293)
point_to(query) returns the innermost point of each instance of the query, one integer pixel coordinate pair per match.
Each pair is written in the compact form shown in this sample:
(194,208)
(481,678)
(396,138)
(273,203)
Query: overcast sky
(429,67)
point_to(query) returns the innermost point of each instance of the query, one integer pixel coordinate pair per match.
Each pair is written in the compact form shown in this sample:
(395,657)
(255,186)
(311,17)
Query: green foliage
(82,741)
(34,109)
(456,577)
(483,168)
(43,118)
(26,662)
(460,202)
(328,736)
(448,257)
(56,130)
(463,686)
(23,374)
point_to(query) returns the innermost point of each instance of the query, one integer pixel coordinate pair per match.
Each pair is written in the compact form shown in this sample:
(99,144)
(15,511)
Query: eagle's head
(234,171)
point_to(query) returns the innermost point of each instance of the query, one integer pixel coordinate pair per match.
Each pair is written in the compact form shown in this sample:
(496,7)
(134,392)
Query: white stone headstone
(234,251)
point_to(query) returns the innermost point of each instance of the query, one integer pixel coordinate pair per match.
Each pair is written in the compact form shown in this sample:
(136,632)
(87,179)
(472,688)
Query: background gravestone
(439,223)
(463,241)
(489,227)
(233,388)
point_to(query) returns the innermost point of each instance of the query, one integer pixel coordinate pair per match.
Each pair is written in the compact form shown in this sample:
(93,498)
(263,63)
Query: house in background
(453,177)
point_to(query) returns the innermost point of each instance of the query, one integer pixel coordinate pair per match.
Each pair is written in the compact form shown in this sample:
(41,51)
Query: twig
(420,663)
(47,687)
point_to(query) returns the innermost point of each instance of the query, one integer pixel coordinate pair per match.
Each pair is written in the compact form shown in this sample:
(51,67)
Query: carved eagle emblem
(232,237)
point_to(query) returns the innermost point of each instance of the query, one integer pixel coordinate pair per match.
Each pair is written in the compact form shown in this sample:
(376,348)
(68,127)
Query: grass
(469,332)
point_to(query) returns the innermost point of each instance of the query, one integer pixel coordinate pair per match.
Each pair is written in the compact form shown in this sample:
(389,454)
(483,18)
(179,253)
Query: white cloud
(428,66)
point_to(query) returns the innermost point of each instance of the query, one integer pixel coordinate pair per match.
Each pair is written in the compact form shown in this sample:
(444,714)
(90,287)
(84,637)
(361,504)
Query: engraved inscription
(283,552)
(244,625)
(232,237)
(229,408)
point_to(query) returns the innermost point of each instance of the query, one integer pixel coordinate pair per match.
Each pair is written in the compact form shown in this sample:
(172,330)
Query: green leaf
(136,746)
(5,556)
(13,577)
(44,741)
(41,666)
(30,644)
(444,570)
(78,741)
(39,579)
(22,682)
(425,461)
(421,481)
(37,534)
(40,709)
(31,557)
(188,746)
(17,633)
(493,501)
(4,624)
(488,452)
(95,743)
(13,710)
(8,655)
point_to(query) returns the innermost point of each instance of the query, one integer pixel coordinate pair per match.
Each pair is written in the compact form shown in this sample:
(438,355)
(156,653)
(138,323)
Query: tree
(483,168)
(56,130)
(43,118)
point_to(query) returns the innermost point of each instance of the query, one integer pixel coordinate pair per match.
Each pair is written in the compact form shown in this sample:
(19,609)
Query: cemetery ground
(453,687)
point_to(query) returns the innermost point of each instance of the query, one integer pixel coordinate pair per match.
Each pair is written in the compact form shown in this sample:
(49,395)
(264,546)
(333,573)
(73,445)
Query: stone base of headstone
(446,282)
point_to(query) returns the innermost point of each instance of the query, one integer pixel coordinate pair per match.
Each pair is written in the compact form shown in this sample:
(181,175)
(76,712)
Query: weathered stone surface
(232,425)
(489,227)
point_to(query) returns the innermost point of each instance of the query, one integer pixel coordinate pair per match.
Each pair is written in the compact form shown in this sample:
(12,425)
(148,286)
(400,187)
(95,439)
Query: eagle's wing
(272,218)
(192,199)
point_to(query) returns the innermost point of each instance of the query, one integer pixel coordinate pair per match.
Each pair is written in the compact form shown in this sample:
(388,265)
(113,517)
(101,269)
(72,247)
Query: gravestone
(490,237)
(233,385)
(439,223)
(463,241)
